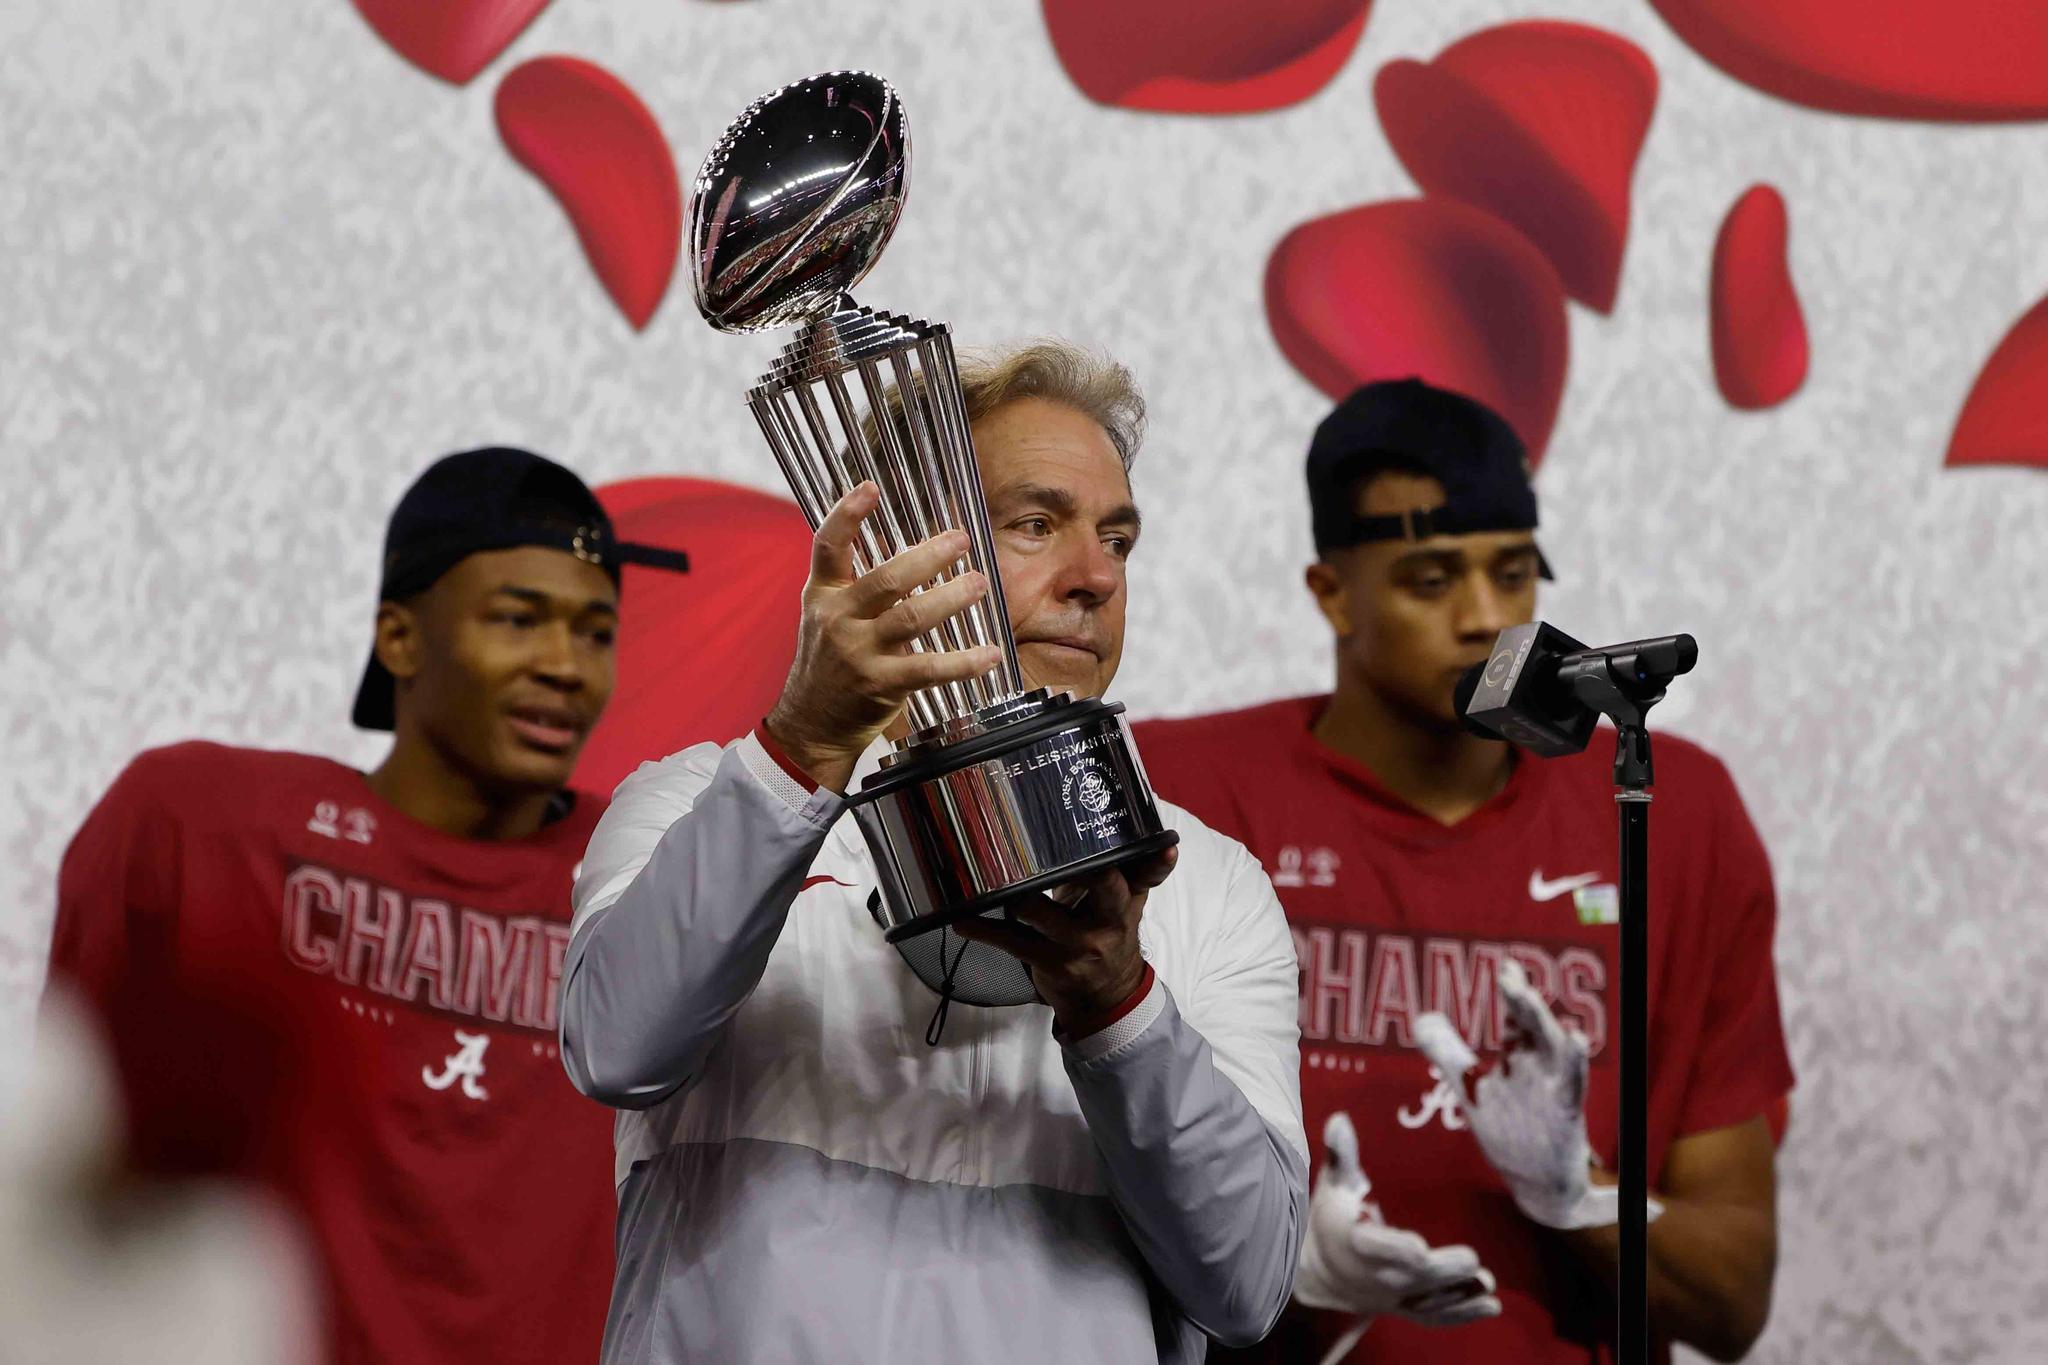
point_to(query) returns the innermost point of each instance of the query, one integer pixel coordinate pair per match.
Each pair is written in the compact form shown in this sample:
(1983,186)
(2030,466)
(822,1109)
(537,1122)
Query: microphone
(1545,691)
(1461,701)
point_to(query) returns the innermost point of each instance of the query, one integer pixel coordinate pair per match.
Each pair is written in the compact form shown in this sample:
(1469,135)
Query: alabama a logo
(466,1065)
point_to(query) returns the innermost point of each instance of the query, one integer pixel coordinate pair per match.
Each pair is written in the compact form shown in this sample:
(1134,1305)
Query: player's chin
(1448,720)
(1059,668)
(519,764)
(1433,708)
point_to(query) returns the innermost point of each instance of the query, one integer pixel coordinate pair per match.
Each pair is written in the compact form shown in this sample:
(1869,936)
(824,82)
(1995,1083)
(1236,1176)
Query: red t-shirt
(307,986)
(1394,914)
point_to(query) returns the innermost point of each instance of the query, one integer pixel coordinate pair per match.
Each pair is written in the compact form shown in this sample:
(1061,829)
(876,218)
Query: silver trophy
(998,791)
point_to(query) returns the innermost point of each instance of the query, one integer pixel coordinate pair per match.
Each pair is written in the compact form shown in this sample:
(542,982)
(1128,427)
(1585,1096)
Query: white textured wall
(255,271)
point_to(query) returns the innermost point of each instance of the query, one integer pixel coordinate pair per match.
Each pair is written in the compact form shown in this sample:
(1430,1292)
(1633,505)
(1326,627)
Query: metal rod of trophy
(901,494)
(970,493)
(989,622)
(827,478)
(816,476)
(938,451)
(810,499)
(907,493)
(930,706)
(854,467)
(879,532)
(928,445)
(930,512)
(820,483)
(955,442)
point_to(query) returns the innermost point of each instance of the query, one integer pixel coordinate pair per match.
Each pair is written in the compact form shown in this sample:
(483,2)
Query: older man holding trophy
(1004,1068)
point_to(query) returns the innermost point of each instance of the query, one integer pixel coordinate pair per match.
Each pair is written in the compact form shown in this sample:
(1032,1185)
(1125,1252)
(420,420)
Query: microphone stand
(1543,690)
(1626,702)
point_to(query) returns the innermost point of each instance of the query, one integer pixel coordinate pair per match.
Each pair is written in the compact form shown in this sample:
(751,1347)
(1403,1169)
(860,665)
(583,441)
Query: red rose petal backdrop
(1540,124)
(452,39)
(1203,56)
(261,270)
(2005,419)
(594,144)
(703,654)
(1966,60)
(1424,287)
(1759,333)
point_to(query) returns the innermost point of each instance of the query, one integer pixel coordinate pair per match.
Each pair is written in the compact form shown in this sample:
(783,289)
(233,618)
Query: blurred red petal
(1759,333)
(702,655)
(1539,123)
(1958,60)
(594,144)
(1427,287)
(1203,56)
(2005,418)
(452,39)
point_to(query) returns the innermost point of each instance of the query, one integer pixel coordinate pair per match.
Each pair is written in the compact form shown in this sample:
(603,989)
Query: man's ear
(1332,600)
(397,643)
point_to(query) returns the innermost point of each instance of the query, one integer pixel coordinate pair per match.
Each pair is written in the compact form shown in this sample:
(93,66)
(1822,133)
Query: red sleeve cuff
(783,760)
(1136,998)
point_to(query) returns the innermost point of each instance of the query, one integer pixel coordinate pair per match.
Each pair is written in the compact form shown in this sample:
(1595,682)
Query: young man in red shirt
(1416,862)
(344,984)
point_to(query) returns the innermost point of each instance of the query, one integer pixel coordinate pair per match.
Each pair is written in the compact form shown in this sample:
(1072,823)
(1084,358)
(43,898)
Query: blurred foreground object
(98,1268)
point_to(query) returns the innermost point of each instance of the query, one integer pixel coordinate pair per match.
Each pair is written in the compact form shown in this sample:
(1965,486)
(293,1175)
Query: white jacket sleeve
(1195,1108)
(683,893)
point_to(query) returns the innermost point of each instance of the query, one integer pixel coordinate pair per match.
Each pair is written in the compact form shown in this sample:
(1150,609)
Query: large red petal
(1203,56)
(452,39)
(1427,287)
(1539,123)
(2005,418)
(1956,60)
(592,142)
(1759,333)
(702,655)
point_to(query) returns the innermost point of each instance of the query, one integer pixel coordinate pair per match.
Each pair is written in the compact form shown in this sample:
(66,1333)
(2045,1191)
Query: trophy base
(1147,847)
(1049,791)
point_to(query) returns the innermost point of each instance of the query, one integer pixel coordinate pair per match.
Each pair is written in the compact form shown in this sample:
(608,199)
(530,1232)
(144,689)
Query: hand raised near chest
(855,665)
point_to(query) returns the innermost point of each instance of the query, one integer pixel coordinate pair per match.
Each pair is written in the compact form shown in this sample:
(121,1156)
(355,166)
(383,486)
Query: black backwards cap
(494,498)
(1410,425)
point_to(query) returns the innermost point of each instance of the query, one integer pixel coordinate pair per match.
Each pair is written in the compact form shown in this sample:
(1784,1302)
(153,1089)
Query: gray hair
(1093,385)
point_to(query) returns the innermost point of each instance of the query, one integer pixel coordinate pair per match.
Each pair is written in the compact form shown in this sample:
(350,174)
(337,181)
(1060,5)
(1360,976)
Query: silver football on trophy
(795,203)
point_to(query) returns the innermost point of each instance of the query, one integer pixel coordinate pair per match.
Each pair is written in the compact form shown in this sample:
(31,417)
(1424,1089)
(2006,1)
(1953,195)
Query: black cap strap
(1420,523)
(651,556)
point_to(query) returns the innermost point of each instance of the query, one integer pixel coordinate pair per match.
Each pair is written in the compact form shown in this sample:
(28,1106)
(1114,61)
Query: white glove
(1529,1113)
(1353,1262)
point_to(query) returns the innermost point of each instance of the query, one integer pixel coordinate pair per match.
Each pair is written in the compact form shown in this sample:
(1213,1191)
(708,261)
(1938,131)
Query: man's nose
(1089,572)
(1482,609)
(556,659)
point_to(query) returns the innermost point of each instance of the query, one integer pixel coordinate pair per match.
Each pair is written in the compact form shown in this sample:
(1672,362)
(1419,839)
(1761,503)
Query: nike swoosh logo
(810,882)
(1540,890)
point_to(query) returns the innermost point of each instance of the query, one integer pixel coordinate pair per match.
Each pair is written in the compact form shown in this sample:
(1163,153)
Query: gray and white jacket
(802,1178)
